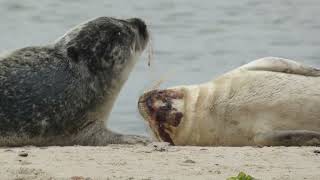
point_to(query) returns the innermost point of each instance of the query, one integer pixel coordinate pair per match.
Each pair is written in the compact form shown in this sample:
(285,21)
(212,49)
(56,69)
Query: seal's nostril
(140,24)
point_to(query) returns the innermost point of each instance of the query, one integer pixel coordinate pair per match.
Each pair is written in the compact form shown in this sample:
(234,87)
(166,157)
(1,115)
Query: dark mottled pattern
(95,44)
(39,92)
(48,91)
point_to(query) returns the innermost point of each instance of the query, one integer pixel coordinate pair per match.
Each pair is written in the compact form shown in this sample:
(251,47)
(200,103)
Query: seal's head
(164,112)
(105,44)
(100,54)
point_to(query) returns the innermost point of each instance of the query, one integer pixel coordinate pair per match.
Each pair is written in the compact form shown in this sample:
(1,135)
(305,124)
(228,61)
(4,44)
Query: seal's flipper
(275,64)
(288,138)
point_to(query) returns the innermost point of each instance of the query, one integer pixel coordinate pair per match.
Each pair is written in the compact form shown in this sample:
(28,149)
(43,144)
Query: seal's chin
(163,110)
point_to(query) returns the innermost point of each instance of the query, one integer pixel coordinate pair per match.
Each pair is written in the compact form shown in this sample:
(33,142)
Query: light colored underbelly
(265,101)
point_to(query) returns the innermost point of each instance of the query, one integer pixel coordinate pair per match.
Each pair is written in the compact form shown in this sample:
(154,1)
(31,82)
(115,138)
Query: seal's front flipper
(134,139)
(96,134)
(288,138)
(275,64)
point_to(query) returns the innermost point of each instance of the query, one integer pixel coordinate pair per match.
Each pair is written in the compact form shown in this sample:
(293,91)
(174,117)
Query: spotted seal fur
(62,93)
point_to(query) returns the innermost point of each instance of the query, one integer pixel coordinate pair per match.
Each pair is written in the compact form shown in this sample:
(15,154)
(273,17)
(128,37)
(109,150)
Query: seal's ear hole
(73,54)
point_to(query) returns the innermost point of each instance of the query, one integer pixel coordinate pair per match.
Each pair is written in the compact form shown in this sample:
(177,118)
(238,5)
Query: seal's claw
(134,139)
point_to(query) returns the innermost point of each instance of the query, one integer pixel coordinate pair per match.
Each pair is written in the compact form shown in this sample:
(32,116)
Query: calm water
(194,41)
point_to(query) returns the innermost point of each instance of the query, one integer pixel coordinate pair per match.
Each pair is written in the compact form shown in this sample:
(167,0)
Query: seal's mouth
(142,30)
(162,110)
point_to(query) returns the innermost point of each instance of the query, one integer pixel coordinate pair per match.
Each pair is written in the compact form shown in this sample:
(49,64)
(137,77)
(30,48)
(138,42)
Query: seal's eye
(167,107)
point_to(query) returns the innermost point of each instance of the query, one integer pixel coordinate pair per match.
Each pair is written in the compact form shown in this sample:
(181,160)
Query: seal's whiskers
(156,84)
(150,51)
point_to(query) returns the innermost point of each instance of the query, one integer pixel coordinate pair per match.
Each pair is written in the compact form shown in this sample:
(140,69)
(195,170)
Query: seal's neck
(112,91)
(196,110)
(184,130)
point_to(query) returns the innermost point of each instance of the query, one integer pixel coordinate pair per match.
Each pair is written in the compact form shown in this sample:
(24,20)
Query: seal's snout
(142,29)
(140,25)
(163,110)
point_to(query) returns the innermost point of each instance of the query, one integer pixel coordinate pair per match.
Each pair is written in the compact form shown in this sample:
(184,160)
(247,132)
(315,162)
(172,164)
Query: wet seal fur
(268,102)
(62,93)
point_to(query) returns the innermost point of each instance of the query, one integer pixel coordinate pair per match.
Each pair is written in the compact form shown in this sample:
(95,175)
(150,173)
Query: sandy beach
(158,161)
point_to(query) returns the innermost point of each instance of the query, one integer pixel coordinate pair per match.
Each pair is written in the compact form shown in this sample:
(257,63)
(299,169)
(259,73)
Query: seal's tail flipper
(275,64)
(288,138)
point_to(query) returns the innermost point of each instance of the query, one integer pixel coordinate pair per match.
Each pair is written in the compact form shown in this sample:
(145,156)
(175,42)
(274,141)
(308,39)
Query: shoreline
(158,161)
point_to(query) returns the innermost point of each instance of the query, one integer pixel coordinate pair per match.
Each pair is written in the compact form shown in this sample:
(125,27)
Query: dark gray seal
(62,94)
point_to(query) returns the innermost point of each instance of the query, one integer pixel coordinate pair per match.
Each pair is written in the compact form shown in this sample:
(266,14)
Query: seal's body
(271,101)
(61,94)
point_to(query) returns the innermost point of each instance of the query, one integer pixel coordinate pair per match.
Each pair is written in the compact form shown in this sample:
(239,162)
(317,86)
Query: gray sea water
(193,41)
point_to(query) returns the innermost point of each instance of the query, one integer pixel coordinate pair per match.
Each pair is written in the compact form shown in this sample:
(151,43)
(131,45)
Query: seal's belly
(259,101)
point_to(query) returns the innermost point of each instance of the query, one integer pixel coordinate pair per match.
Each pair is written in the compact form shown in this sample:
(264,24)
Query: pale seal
(268,102)
(62,93)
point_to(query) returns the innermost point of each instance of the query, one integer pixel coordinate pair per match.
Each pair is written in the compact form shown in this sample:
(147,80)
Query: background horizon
(193,41)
